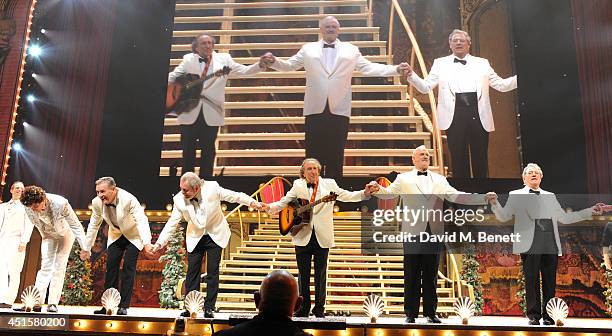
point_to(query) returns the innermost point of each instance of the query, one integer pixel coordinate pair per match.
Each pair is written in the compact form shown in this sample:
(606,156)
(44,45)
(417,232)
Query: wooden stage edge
(72,320)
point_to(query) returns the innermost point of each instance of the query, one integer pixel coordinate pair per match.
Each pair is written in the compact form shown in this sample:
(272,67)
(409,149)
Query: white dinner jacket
(63,219)
(442,74)
(213,89)
(526,207)
(214,223)
(131,219)
(14,223)
(333,85)
(413,197)
(323,214)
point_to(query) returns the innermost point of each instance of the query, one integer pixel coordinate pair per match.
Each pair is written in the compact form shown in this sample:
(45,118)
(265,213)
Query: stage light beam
(35,50)
(31,98)
(17,147)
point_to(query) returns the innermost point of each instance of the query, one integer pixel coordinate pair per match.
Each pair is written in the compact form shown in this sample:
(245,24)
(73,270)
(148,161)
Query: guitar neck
(310,205)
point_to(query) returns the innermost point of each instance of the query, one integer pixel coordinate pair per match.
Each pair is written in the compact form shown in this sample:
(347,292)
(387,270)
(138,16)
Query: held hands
(260,206)
(84,255)
(266,60)
(602,207)
(371,188)
(491,198)
(150,249)
(404,69)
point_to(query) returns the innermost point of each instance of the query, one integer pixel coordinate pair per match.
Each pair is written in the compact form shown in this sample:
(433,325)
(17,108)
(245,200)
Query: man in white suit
(464,107)
(203,121)
(423,189)
(128,233)
(199,203)
(59,226)
(315,238)
(536,213)
(329,65)
(15,232)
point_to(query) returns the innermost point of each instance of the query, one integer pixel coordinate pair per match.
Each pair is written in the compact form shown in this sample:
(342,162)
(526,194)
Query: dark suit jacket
(264,325)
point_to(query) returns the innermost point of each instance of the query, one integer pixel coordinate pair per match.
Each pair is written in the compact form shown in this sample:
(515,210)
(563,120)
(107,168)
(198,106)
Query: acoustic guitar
(299,211)
(184,93)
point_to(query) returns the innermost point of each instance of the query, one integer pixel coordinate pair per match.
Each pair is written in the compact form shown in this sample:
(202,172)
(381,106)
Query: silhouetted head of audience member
(278,294)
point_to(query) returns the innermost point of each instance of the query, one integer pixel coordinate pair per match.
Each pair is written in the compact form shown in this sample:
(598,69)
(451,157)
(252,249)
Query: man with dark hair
(15,232)
(313,239)
(276,301)
(202,122)
(128,233)
(58,226)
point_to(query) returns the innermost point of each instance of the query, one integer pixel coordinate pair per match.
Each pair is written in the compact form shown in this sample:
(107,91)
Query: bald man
(329,64)
(276,301)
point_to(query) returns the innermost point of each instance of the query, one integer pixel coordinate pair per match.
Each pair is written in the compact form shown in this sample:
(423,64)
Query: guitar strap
(314,192)
(206,67)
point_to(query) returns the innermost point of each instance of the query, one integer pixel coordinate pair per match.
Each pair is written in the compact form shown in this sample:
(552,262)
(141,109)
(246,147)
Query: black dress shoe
(185,314)
(5,305)
(37,308)
(549,322)
(533,321)
(101,311)
(433,319)
(209,313)
(410,320)
(302,313)
(318,313)
(122,311)
(52,308)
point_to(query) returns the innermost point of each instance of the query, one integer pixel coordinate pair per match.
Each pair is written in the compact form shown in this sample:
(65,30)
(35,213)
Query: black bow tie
(195,199)
(112,205)
(310,185)
(531,191)
(203,60)
(460,61)
(325,45)
(419,173)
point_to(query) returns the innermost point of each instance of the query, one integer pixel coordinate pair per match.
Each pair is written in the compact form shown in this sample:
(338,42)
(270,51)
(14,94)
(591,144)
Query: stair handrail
(416,53)
(256,196)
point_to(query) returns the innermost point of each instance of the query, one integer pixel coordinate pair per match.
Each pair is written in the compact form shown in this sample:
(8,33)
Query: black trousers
(326,135)
(304,256)
(466,133)
(120,249)
(421,273)
(206,135)
(540,262)
(194,269)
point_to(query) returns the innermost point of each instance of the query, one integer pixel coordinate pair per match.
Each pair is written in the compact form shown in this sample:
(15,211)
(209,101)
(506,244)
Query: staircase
(351,275)
(263,132)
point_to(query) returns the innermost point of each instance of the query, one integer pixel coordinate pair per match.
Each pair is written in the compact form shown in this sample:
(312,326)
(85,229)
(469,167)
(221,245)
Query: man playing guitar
(203,118)
(315,237)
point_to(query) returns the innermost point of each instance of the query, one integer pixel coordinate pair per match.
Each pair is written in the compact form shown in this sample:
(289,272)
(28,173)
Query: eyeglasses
(459,40)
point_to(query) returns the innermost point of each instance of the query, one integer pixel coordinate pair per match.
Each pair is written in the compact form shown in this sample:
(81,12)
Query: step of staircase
(270,4)
(269,18)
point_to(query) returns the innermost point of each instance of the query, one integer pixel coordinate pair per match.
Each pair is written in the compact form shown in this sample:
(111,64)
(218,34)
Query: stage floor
(157,321)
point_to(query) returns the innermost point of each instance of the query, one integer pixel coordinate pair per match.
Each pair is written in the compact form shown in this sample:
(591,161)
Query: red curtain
(593,35)
(62,145)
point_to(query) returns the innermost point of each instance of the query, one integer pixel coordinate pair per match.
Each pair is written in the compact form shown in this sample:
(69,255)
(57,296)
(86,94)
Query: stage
(156,321)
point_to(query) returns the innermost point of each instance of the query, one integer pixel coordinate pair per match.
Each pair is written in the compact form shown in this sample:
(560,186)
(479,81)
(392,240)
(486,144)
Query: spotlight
(17,147)
(43,30)
(34,75)
(31,98)
(35,51)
